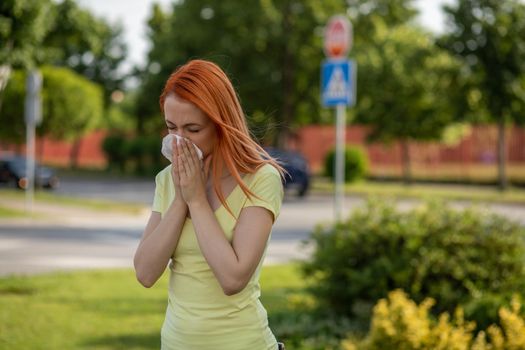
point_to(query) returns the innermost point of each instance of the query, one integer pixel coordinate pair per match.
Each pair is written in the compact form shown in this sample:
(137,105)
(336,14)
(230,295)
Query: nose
(179,133)
(182,134)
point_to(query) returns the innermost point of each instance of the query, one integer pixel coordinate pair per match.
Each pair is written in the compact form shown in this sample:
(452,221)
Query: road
(69,238)
(74,239)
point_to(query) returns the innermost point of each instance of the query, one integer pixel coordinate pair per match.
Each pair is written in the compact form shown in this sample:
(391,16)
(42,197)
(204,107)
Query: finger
(182,168)
(174,152)
(193,153)
(180,152)
(187,156)
(186,166)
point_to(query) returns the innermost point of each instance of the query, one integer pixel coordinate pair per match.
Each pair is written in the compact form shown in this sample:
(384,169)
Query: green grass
(11,213)
(105,309)
(55,199)
(425,191)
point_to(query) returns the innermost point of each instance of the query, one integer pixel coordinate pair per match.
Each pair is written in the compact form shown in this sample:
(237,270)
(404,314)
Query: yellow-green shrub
(399,323)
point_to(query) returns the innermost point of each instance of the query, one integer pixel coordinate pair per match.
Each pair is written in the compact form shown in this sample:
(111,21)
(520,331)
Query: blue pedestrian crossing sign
(338,83)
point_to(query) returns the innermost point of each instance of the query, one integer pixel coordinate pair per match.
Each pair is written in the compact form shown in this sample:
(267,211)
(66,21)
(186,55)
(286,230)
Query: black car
(296,166)
(13,170)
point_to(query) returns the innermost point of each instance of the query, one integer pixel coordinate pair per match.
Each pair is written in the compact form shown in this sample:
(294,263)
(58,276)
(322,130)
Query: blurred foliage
(363,14)
(355,160)
(417,80)
(37,33)
(407,87)
(12,112)
(467,258)
(489,37)
(23,27)
(119,114)
(139,155)
(270,49)
(71,105)
(399,323)
(87,44)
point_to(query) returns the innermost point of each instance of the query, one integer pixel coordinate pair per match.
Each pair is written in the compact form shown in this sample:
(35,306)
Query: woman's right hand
(175,171)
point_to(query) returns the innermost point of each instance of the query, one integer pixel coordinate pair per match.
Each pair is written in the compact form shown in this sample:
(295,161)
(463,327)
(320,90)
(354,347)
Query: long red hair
(204,84)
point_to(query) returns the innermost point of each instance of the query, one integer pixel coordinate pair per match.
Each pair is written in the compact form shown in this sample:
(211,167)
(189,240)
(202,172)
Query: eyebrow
(185,125)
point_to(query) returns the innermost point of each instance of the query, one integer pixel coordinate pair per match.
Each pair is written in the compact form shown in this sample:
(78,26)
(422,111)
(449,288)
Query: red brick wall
(314,141)
(479,146)
(54,152)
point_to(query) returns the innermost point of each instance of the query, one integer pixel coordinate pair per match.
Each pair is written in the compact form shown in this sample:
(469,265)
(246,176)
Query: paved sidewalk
(67,237)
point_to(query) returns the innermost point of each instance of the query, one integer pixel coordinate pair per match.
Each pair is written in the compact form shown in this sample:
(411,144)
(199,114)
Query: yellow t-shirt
(199,315)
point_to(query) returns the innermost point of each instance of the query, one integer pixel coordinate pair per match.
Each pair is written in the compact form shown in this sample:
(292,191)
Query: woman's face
(185,119)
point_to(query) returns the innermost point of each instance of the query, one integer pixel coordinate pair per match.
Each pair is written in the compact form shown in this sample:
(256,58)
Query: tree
(270,49)
(23,26)
(407,86)
(489,36)
(363,14)
(88,45)
(71,106)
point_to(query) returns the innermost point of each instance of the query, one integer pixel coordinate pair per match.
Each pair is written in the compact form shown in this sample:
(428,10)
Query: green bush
(115,151)
(356,164)
(468,258)
(139,155)
(310,329)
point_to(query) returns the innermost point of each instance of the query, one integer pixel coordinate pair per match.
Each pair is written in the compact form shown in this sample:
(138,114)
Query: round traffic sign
(338,37)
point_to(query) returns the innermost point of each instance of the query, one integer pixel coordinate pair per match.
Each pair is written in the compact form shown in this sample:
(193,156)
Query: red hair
(206,86)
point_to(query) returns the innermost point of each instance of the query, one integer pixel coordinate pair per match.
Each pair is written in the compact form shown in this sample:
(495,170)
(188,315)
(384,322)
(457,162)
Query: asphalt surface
(65,238)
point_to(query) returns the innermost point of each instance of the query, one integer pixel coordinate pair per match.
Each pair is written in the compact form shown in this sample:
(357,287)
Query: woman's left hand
(193,173)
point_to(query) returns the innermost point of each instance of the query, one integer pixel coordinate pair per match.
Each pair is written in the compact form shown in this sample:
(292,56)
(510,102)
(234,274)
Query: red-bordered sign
(337,37)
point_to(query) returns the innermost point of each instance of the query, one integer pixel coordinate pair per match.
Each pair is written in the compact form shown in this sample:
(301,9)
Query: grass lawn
(55,199)
(475,193)
(102,309)
(10,213)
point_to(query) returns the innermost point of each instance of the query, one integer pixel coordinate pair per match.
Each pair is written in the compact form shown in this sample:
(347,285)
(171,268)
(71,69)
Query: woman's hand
(192,173)
(175,171)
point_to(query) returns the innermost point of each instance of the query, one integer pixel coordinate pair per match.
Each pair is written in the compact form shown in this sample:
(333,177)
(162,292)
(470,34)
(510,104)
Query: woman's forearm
(217,250)
(156,249)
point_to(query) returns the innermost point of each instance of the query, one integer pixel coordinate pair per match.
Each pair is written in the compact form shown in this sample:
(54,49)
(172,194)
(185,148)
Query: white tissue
(167,146)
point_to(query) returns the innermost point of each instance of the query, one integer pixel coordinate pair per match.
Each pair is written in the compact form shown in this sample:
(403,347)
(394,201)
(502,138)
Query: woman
(212,217)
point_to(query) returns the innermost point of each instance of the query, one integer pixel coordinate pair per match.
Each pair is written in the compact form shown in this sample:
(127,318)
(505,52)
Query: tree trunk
(502,155)
(40,149)
(405,159)
(73,155)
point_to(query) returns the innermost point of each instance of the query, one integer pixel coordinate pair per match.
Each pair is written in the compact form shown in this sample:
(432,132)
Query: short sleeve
(268,190)
(158,199)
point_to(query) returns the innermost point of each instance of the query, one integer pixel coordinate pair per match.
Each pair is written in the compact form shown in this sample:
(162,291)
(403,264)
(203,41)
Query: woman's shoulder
(164,175)
(267,168)
(266,172)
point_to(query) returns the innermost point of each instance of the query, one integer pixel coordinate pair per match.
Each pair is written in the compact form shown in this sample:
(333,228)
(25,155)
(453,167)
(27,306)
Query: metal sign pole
(30,167)
(336,86)
(340,136)
(33,116)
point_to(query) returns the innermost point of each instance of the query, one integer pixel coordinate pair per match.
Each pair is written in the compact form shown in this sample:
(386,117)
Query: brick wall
(314,141)
(479,146)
